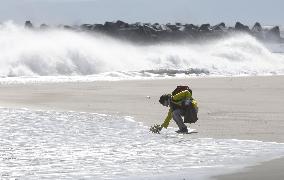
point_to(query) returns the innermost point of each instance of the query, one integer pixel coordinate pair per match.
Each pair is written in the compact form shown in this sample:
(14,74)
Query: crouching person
(183,109)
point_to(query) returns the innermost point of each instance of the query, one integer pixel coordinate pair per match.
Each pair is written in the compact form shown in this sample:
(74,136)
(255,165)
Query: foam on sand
(62,145)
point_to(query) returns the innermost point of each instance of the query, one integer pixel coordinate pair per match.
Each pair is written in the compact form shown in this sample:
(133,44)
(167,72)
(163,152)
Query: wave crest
(58,52)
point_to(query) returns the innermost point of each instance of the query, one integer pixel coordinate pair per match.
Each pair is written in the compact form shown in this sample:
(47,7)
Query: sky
(71,12)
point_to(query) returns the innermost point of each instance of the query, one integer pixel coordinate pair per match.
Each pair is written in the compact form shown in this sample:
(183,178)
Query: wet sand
(239,108)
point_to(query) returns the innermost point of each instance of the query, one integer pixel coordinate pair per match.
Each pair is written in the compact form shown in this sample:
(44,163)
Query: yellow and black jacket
(176,103)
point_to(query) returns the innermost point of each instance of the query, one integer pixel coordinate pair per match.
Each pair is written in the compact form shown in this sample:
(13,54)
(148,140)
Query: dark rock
(191,28)
(98,27)
(28,24)
(257,31)
(147,32)
(68,27)
(240,27)
(173,27)
(110,26)
(88,27)
(204,28)
(44,26)
(256,28)
(120,24)
(114,26)
(137,24)
(161,27)
(273,34)
(219,27)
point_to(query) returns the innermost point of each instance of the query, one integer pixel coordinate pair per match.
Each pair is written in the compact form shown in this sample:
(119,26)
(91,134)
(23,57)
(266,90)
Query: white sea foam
(64,145)
(57,53)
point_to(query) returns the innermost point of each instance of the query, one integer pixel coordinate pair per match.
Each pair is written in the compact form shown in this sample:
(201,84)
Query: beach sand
(239,107)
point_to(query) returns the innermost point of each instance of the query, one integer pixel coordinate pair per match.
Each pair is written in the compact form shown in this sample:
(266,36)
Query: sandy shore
(240,108)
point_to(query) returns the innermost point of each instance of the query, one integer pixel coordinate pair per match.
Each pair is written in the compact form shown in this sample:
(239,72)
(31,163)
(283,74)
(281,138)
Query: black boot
(182,131)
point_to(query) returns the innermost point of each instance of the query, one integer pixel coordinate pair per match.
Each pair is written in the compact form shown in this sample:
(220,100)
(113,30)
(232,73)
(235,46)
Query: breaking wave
(59,52)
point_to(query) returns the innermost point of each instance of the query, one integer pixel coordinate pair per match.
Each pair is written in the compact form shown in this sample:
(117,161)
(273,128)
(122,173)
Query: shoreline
(230,107)
(271,169)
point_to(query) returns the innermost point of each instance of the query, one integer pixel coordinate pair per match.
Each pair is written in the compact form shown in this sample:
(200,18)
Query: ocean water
(62,55)
(77,145)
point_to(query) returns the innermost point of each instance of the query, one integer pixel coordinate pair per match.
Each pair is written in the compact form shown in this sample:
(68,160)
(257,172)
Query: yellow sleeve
(168,119)
(182,95)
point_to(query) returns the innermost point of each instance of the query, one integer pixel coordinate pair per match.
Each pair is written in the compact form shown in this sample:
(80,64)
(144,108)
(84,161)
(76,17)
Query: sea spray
(59,52)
